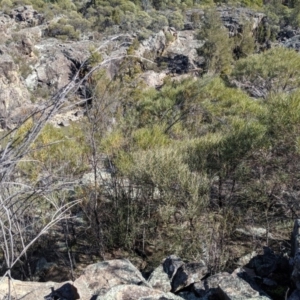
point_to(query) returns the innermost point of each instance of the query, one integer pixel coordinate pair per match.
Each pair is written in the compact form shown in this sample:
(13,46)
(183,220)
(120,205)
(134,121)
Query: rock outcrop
(160,280)
(97,279)
(134,292)
(209,286)
(235,288)
(31,290)
(101,277)
(293,42)
(27,16)
(188,274)
(234,18)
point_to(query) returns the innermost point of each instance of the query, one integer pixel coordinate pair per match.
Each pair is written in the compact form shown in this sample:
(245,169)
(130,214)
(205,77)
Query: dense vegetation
(70,19)
(191,162)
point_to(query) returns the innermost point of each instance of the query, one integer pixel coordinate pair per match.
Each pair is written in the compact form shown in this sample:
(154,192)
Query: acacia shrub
(244,42)
(170,199)
(217,49)
(57,149)
(274,71)
(192,162)
(62,30)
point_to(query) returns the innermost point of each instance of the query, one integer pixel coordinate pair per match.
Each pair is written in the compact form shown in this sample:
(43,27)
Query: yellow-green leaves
(95,56)
(55,148)
(148,138)
(276,70)
(217,49)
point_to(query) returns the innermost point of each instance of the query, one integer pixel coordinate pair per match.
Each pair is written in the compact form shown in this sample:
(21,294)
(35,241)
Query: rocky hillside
(35,65)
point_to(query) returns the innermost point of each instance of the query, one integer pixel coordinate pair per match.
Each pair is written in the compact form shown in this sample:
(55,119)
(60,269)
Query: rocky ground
(265,276)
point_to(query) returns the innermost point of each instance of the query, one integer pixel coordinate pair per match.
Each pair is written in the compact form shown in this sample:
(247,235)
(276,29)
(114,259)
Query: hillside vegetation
(177,168)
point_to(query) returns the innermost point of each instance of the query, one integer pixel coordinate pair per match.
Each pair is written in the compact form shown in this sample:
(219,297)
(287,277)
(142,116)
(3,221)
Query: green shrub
(6,6)
(62,30)
(175,199)
(276,70)
(56,149)
(146,138)
(176,20)
(244,42)
(143,19)
(24,67)
(158,21)
(128,6)
(217,49)
(78,23)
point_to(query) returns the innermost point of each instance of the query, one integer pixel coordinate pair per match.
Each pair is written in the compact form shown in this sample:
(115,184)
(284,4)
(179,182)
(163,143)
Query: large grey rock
(249,276)
(235,288)
(37,290)
(134,292)
(180,54)
(160,280)
(99,278)
(234,18)
(171,264)
(57,63)
(293,43)
(155,45)
(210,285)
(188,274)
(174,275)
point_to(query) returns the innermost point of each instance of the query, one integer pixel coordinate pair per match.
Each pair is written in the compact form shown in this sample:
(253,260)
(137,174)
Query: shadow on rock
(65,292)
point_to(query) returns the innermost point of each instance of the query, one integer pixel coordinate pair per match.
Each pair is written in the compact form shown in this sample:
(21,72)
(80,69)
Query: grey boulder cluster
(120,280)
(259,277)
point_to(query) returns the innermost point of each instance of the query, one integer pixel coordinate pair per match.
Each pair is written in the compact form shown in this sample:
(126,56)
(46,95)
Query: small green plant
(62,30)
(169,37)
(149,138)
(55,147)
(217,49)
